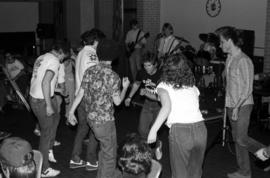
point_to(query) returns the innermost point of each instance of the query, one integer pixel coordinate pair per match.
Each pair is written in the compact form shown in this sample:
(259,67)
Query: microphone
(159,35)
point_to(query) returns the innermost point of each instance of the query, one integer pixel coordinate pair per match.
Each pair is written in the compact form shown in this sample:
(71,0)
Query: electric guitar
(131,46)
(162,58)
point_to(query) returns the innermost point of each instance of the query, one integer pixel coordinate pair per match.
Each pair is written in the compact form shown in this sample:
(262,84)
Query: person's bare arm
(46,90)
(134,89)
(162,115)
(71,116)
(118,99)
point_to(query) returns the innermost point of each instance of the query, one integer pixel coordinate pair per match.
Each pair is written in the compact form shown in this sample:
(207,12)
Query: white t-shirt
(132,36)
(184,104)
(43,63)
(86,58)
(14,68)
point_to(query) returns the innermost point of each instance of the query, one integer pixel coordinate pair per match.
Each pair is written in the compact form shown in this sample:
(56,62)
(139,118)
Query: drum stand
(224,127)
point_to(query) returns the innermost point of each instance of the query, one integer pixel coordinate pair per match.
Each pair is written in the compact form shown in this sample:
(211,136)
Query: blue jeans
(48,126)
(106,135)
(135,63)
(148,116)
(187,144)
(243,143)
(82,131)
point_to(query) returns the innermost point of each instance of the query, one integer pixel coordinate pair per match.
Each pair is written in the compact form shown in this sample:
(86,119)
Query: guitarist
(135,42)
(168,43)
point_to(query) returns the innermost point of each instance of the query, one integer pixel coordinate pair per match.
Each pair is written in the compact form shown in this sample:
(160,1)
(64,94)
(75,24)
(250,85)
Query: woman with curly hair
(180,106)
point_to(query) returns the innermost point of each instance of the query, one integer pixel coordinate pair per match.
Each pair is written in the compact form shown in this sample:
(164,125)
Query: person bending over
(180,107)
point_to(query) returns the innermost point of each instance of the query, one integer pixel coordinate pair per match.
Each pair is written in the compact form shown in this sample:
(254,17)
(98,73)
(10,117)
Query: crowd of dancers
(165,77)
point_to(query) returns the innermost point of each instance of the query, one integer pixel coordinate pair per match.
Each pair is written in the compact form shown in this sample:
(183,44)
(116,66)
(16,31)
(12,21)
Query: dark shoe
(91,167)
(74,165)
(4,135)
(158,151)
(265,165)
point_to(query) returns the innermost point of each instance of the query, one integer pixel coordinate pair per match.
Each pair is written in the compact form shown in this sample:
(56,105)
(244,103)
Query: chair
(155,169)
(38,158)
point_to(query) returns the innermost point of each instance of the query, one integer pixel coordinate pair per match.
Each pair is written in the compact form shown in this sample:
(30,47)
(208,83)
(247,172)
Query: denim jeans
(135,62)
(48,126)
(243,143)
(106,135)
(82,131)
(187,144)
(148,116)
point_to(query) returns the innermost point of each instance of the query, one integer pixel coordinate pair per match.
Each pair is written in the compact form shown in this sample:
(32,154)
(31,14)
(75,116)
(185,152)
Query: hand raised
(125,82)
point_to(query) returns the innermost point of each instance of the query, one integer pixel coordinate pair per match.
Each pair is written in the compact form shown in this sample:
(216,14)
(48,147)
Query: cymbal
(181,39)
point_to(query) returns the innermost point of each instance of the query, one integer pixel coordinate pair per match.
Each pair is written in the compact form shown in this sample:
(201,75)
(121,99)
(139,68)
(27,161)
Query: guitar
(162,58)
(131,46)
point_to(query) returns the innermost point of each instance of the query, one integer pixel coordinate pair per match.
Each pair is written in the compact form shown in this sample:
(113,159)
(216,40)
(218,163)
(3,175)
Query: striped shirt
(239,79)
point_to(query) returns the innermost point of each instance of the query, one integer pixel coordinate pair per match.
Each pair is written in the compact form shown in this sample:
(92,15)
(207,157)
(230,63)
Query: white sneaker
(50,172)
(56,143)
(51,157)
(158,151)
(37,132)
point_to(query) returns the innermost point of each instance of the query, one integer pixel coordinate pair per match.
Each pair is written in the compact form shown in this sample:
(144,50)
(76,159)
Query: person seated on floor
(3,94)
(134,157)
(17,72)
(16,158)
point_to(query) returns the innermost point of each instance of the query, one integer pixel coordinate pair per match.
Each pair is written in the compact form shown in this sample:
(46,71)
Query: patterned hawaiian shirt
(100,83)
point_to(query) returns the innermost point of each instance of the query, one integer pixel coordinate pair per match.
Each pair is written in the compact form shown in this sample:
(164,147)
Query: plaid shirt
(100,83)
(239,79)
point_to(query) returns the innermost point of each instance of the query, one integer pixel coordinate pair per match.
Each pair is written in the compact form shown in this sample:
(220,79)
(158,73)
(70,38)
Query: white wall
(18,16)
(189,18)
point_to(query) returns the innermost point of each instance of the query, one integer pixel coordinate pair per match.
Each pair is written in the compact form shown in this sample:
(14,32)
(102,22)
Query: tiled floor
(218,160)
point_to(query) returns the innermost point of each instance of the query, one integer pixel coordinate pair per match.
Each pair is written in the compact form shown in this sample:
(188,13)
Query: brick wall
(148,15)
(267,41)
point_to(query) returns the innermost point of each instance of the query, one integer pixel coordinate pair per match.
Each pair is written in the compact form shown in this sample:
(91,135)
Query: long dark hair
(177,73)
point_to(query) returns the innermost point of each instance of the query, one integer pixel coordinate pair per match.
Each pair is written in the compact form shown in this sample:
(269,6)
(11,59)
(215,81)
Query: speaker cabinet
(248,37)
(45,31)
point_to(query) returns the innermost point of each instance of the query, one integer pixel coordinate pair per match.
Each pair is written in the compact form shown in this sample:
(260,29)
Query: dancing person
(148,78)
(86,58)
(135,157)
(168,43)
(180,107)
(43,102)
(135,42)
(100,89)
(69,93)
(238,100)
(17,159)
